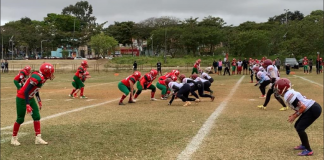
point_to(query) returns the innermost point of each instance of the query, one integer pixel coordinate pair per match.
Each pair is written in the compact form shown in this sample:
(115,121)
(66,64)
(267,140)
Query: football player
(127,86)
(206,83)
(305,63)
(21,77)
(306,109)
(273,73)
(195,85)
(25,101)
(196,67)
(146,83)
(75,90)
(77,78)
(233,66)
(163,87)
(180,90)
(206,76)
(264,80)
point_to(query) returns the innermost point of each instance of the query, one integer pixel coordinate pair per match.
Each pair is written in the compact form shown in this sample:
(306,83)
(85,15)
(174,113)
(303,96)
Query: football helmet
(137,75)
(194,76)
(255,69)
(176,72)
(174,78)
(84,63)
(27,69)
(47,71)
(282,85)
(199,60)
(305,57)
(181,77)
(153,72)
(261,69)
(266,63)
(167,81)
(207,69)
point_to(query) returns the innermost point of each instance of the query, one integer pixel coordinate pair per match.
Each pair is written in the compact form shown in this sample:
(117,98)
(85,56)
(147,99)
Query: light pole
(286,10)
(12,52)
(2,30)
(42,47)
(165,41)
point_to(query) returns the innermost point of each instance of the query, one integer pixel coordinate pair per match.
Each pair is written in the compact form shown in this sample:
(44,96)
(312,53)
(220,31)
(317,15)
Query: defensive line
(205,129)
(305,79)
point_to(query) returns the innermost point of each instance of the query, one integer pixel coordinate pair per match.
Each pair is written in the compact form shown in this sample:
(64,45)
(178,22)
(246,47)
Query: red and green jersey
(22,75)
(127,79)
(233,63)
(80,71)
(37,79)
(196,65)
(305,62)
(147,80)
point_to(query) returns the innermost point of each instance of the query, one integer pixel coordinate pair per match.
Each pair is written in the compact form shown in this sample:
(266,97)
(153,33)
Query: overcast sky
(232,11)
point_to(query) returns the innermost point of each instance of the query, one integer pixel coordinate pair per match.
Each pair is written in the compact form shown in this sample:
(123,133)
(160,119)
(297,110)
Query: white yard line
(6,139)
(309,80)
(205,129)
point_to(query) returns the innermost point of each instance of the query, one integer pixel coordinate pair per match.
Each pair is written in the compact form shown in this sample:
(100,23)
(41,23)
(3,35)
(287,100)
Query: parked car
(300,62)
(79,58)
(292,62)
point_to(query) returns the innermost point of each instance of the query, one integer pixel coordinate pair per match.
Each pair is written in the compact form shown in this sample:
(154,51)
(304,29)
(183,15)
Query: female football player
(127,86)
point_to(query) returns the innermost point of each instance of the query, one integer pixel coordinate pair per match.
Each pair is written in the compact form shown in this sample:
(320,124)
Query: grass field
(98,128)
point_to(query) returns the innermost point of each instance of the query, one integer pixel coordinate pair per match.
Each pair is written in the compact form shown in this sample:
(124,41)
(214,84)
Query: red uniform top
(127,79)
(305,62)
(21,76)
(146,80)
(37,79)
(196,65)
(161,80)
(233,63)
(80,71)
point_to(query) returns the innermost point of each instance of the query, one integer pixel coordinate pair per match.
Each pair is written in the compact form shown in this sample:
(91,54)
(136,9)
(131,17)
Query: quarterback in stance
(77,78)
(21,77)
(25,101)
(306,109)
(75,90)
(127,86)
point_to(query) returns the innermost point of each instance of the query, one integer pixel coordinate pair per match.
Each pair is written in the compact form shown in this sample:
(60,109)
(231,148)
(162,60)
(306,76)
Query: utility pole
(287,10)
(165,46)
(152,43)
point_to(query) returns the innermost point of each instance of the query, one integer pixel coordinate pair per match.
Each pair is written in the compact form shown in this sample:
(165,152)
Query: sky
(233,12)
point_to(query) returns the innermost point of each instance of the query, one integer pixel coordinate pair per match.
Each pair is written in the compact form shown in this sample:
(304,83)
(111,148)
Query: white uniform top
(184,81)
(272,71)
(263,76)
(239,63)
(171,84)
(200,79)
(290,97)
(204,74)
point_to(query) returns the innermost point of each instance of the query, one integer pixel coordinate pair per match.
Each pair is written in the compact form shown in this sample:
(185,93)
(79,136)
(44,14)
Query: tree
(101,43)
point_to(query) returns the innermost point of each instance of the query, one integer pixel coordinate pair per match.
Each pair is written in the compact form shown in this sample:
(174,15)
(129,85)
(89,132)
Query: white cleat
(134,100)
(163,98)
(14,141)
(39,140)
(153,99)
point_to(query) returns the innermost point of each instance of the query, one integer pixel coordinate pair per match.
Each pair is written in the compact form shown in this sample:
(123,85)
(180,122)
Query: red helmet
(84,63)
(194,76)
(256,69)
(321,58)
(199,60)
(47,71)
(153,72)
(27,69)
(266,63)
(175,72)
(167,81)
(182,76)
(174,78)
(282,85)
(305,57)
(137,75)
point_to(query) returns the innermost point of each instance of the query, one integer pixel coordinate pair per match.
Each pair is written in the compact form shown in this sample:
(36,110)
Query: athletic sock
(15,129)
(37,127)
(122,98)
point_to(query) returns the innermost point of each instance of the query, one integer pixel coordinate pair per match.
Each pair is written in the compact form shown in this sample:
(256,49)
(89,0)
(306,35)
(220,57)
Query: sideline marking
(64,113)
(309,80)
(4,140)
(68,100)
(204,130)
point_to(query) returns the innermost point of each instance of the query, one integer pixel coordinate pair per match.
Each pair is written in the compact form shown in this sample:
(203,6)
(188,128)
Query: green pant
(78,83)
(162,87)
(305,67)
(140,88)
(21,110)
(17,84)
(123,88)
(194,70)
(233,68)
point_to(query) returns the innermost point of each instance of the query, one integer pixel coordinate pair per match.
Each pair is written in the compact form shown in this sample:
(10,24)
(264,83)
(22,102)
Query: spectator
(310,63)
(227,67)
(158,68)
(318,65)
(135,66)
(220,66)
(287,69)
(305,63)
(245,66)
(2,66)
(239,66)
(6,66)
(278,63)
(215,65)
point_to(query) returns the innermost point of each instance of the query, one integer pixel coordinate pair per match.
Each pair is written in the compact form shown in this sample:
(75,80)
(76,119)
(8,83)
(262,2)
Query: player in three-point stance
(306,109)
(146,83)
(180,90)
(25,102)
(77,79)
(206,83)
(21,77)
(163,87)
(127,86)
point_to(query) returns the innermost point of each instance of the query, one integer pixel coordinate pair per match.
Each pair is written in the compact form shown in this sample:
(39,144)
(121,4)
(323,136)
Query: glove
(169,104)
(29,109)
(256,84)
(40,105)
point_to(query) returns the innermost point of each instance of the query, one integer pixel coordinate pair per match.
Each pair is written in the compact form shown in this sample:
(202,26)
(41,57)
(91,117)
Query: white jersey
(263,76)
(239,63)
(272,71)
(291,95)
(171,84)
(184,81)
(204,74)
(200,79)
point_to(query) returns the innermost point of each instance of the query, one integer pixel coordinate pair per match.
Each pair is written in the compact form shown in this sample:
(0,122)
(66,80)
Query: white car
(79,58)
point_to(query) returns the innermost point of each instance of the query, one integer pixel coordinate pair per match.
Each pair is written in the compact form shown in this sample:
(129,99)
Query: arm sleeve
(29,87)
(172,98)
(295,102)
(38,97)
(175,88)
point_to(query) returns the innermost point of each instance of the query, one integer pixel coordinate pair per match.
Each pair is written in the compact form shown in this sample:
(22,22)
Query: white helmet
(208,69)
(261,69)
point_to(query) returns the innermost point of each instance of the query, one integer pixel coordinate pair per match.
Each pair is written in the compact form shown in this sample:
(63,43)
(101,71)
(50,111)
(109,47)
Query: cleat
(197,100)
(166,96)
(70,95)
(211,92)
(212,98)
(153,99)
(14,141)
(75,95)
(132,101)
(163,98)
(39,140)
(187,104)
(121,103)
(263,96)
(305,153)
(300,147)
(83,97)
(262,107)
(283,109)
